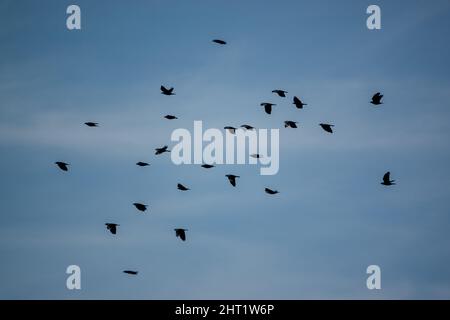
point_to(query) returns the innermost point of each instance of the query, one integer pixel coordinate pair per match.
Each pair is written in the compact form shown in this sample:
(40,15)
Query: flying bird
(181,233)
(140,206)
(170,117)
(280,93)
(290,124)
(218,41)
(182,188)
(207,166)
(268,107)
(62,165)
(112,227)
(142,164)
(298,103)
(247,127)
(232,130)
(167,92)
(386,179)
(161,150)
(327,127)
(376,99)
(256,155)
(130,272)
(91,124)
(232,179)
(270,191)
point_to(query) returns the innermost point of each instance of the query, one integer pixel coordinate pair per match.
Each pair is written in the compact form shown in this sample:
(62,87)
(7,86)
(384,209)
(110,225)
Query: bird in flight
(232,179)
(161,150)
(62,165)
(142,164)
(130,272)
(167,92)
(182,188)
(268,107)
(140,206)
(218,41)
(91,124)
(256,155)
(207,166)
(298,103)
(280,93)
(386,179)
(290,124)
(247,127)
(327,127)
(270,191)
(181,233)
(112,227)
(376,99)
(232,130)
(170,117)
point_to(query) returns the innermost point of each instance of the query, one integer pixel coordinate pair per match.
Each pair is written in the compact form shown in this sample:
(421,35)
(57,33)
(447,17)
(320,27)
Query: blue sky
(314,240)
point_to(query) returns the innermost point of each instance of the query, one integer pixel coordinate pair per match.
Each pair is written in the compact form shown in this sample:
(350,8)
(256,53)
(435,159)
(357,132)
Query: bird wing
(386,177)
(327,128)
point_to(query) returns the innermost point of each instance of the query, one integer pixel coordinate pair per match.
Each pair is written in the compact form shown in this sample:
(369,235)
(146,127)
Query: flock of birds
(181,232)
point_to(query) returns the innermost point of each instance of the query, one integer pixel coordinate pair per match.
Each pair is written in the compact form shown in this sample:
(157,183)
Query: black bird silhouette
(161,150)
(142,164)
(268,107)
(290,124)
(182,188)
(130,272)
(327,127)
(140,206)
(91,124)
(298,103)
(376,99)
(256,155)
(386,180)
(270,191)
(167,92)
(281,93)
(207,166)
(247,127)
(181,233)
(170,117)
(112,227)
(219,41)
(62,165)
(232,130)
(232,179)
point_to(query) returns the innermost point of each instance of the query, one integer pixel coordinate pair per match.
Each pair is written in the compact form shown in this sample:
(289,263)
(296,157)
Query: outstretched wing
(62,166)
(165,90)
